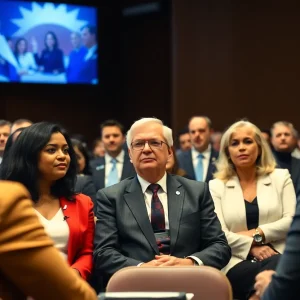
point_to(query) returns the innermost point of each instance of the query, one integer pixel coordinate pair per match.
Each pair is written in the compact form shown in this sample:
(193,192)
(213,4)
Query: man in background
(76,57)
(115,165)
(20,123)
(5,129)
(198,162)
(89,68)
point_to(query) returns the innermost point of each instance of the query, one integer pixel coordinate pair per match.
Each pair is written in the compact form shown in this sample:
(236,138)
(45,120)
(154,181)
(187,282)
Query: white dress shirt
(109,165)
(205,159)
(163,197)
(91,52)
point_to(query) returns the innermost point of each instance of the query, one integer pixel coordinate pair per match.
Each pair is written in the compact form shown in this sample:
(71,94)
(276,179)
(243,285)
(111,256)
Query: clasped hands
(167,261)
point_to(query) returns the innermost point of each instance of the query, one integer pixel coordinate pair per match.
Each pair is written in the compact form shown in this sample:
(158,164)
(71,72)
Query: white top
(58,230)
(109,165)
(205,160)
(91,52)
(26,62)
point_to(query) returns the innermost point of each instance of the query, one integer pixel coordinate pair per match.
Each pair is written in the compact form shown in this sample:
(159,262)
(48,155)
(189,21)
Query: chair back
(206,283)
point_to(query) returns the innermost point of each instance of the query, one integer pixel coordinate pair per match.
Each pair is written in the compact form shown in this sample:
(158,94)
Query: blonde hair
(265,163)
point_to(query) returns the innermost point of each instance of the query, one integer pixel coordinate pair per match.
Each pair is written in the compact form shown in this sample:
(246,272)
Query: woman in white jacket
(255,204)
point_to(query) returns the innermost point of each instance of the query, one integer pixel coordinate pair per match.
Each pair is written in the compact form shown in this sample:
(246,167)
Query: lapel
(264,196)
(189,165)
(235,198)
(69,209)
(135,201)
(100,173)
(175,193)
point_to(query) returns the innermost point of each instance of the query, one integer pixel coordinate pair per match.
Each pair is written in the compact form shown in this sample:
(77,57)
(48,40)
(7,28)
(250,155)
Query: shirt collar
(119,158)
(144,183)
(205,153)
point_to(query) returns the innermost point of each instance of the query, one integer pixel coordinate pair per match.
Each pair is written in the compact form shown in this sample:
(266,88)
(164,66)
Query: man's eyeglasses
(139,145)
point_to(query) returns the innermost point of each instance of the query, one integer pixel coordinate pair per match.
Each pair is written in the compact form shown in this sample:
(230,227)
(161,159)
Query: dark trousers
(242,275)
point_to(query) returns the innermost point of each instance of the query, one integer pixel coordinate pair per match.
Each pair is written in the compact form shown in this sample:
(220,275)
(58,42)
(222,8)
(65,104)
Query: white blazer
(276,200)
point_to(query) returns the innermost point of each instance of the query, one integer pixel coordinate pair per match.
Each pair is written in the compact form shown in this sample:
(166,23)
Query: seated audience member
(184,140)
(255,204)
(5,130)
(51,59)
(98,148)
(156,219)
(215,138)
(283,135)
(43,159)
(284,283)
(199,162)
(172,165)
(115,165)
(266,134)
(25,59)
(84,182)
(20,123)
(29,264)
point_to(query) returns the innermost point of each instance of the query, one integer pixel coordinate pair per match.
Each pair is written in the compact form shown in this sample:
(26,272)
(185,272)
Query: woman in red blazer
(43,159)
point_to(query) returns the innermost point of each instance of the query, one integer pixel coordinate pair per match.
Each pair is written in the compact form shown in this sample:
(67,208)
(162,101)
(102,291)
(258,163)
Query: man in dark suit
(285,282)
(115,159)
(282,138)
(199,162)
(155,219)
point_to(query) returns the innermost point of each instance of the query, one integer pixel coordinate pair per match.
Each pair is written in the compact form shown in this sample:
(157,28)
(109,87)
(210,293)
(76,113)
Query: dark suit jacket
(295,173)
(98,171)
(186,163)
(85,185)
(285,284)
(124,236)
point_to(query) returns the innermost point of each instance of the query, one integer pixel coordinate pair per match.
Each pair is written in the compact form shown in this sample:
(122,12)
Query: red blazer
(80,218)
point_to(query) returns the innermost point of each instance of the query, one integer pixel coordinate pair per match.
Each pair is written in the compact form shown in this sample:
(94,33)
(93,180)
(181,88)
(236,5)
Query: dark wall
(235,59)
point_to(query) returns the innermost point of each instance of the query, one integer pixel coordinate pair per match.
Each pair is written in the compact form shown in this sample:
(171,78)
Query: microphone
(66,217)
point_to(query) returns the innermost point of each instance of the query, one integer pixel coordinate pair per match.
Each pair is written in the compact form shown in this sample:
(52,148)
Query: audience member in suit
(84,182)
(5,130)
(184,140)
(284,283)
(283,135)
(172,165)
(178,227)
(98,148)
(29,264)
(255,204)
(51,59)
(43,159)
(20,123)
(89,67)
(113,138)
(199,162)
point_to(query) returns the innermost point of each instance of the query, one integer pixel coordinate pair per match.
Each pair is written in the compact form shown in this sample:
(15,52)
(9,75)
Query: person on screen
(76,58)
(89,68)
(24,58)
(51,58)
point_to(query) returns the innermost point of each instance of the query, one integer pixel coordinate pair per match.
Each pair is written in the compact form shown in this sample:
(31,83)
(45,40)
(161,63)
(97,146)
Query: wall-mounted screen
(44,42)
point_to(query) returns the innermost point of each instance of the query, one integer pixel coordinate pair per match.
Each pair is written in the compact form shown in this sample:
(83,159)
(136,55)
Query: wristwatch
(258,238)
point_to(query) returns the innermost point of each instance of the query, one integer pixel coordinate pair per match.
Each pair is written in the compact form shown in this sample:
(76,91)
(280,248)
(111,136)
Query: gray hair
(167,132)
(286,124)
(207,119)
(265,163)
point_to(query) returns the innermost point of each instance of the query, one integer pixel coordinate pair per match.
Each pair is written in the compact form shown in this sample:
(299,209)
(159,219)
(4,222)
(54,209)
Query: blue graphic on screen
(43,42)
